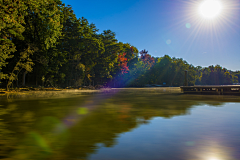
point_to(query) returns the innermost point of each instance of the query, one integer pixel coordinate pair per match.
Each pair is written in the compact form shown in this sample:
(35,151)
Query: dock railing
(211,89)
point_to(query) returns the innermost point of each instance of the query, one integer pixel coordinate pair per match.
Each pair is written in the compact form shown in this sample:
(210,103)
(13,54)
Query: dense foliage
(42,43)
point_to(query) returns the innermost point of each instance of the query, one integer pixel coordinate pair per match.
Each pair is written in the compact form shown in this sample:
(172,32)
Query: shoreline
(28,90)
(81,89)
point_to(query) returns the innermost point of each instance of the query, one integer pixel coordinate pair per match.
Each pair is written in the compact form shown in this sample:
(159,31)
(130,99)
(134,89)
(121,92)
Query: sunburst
(209,18)
(210,8)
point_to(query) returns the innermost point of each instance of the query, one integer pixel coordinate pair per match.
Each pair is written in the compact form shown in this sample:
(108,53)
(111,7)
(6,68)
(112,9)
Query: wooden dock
(212,89)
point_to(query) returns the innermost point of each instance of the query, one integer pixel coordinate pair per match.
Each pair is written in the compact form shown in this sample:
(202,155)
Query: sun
(210,8)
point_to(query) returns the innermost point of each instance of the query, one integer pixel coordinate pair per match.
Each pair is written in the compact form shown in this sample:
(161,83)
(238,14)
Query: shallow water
(155,123)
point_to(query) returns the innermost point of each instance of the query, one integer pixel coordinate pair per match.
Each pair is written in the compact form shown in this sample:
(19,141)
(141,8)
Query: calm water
(119,124)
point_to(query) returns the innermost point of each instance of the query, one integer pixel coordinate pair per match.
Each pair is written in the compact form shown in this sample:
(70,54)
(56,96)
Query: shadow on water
(73,125)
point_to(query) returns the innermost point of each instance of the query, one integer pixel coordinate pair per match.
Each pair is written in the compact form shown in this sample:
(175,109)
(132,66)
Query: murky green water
(119,124)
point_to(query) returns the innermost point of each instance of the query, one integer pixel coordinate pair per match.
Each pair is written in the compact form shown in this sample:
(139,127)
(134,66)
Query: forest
(45,44)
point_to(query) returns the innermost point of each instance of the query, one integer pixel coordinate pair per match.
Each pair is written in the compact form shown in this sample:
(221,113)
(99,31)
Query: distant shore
(26,89)
(77,89)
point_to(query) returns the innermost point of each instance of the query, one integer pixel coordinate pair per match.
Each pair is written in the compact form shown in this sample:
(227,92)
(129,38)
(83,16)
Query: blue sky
(172,27)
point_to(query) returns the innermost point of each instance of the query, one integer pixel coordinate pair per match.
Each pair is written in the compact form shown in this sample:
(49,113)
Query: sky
(170,27)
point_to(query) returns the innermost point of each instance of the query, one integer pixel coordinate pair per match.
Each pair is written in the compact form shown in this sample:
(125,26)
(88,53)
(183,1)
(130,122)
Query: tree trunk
(36,80)
(24,78)
(0,78)
(7,88)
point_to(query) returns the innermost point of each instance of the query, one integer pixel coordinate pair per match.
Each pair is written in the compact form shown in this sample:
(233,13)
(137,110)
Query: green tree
(11,26)
(25,62)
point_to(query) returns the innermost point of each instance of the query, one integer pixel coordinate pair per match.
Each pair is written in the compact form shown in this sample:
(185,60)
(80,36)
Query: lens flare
(168,41)
(188,25)
(82,110)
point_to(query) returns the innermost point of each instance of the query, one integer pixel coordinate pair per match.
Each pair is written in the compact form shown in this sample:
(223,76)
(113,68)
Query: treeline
(42,43)
(171,72)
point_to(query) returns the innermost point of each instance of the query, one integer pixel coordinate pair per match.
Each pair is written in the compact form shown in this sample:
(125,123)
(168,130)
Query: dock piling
(186,78)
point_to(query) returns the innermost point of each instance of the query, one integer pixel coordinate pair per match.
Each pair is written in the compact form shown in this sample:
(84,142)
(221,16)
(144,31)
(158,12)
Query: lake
(115,124)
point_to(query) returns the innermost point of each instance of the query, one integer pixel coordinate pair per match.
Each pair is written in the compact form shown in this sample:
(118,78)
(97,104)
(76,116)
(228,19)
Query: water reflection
(157,124)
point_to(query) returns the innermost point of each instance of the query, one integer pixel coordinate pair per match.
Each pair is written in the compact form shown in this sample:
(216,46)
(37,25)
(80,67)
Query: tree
(147,59)
(25,62)
(42,29)
(11,26)
(123,63)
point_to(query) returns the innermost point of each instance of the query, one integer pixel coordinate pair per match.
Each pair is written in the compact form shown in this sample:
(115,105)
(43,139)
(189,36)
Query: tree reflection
(35,129)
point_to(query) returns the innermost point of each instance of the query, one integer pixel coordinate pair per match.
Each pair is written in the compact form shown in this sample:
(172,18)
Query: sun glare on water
(210,8)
